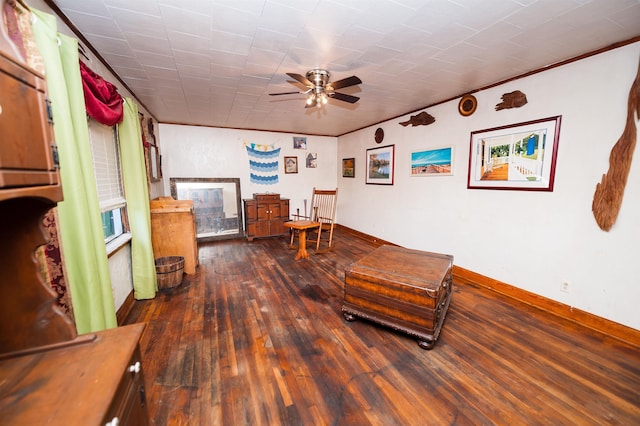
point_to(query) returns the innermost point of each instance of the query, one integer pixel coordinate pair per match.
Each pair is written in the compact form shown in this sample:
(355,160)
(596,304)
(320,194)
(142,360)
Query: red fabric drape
(101,98)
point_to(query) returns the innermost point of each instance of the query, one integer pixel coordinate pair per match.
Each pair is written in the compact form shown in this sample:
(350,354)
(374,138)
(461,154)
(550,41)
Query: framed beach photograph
(349,167)
(380,162)
(432,162)
(290,165)
(518,156)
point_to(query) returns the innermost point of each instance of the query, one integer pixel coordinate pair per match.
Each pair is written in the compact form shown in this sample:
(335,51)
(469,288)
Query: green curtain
(134,176)
(85,255)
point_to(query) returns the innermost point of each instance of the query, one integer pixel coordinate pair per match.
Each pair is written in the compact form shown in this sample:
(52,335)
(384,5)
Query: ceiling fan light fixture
(319,90)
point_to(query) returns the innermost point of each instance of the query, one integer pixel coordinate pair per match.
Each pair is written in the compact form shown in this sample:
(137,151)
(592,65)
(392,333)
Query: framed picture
(349,167)
(432,162)
(519,156)
(154,163)
(299,142)
(380,165)
(312,160)
(290,165)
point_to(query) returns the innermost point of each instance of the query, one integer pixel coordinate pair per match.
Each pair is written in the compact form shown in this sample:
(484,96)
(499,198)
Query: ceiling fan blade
(346,82)
(344,97)
(300,78)
(285,93)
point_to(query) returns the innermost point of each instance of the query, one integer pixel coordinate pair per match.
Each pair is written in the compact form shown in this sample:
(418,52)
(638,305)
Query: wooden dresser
(94,380)
(265,215)
(48,374)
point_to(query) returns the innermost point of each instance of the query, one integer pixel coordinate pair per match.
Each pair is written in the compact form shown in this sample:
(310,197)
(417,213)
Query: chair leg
(330,236)
(293,236)
(318,240)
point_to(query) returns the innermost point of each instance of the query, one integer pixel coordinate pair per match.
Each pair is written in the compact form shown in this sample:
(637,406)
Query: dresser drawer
(129,403)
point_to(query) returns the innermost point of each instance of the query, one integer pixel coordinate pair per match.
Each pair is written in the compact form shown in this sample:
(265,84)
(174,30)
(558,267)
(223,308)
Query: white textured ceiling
(214,63)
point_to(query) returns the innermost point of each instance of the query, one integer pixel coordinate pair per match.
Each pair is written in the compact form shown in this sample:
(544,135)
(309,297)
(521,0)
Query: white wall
(205,152)
(532,240)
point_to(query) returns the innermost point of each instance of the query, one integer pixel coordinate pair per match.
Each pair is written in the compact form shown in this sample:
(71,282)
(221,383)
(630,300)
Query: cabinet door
(277,227)
(264,211)
(274,209)
(26,156)
(129,403)
(262,228)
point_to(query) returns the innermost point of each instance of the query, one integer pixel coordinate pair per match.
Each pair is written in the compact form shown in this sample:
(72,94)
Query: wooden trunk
(407,290)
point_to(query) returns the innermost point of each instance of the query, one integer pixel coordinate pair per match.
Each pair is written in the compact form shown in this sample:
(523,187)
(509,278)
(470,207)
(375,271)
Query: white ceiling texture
(214,63)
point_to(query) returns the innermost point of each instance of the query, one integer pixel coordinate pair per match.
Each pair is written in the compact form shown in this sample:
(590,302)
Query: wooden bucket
(169,271)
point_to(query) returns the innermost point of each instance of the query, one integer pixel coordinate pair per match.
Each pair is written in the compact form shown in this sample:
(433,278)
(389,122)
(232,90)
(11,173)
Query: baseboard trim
(364,236)
(586,319)
(583,318)
(125,308)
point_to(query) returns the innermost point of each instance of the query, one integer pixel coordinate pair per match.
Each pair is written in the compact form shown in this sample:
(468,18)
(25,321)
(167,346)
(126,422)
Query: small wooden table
(302,226)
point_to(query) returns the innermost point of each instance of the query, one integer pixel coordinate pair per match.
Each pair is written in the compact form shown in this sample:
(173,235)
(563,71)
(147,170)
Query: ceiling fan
(319,88)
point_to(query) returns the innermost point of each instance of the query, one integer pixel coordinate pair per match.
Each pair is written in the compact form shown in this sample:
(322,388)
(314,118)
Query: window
(106,164)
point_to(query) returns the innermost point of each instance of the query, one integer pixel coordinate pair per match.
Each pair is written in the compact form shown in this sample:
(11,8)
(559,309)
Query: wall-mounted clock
(379,135)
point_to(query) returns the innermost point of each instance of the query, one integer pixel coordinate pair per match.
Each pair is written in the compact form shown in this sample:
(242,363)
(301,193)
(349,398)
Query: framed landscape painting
(518,156)
(380,163)
(432,162)
(348,167)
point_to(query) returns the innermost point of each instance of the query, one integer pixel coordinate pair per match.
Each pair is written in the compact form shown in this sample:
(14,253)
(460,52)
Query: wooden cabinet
(173,230)
(265,215)
(48,374)
(93,380)
(27,153)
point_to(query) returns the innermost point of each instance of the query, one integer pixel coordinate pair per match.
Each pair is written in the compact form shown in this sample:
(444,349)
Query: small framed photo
(290,165)
(349,167)
(299,142)
(432,162)
(312,160)
(380,163)
(518,156)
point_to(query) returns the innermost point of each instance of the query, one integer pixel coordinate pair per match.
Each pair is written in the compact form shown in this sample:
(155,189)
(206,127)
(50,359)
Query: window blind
(106,165)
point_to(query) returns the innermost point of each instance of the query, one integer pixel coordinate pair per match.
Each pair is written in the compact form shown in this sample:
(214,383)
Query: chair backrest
(323,205)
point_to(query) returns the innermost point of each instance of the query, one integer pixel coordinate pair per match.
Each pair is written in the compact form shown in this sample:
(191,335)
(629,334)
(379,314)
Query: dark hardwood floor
(256,338)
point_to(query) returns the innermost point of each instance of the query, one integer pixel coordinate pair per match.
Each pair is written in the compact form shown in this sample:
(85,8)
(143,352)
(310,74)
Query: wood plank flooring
(257,338)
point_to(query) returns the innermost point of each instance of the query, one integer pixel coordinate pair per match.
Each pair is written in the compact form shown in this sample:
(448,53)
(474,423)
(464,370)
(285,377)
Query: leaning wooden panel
(407,290)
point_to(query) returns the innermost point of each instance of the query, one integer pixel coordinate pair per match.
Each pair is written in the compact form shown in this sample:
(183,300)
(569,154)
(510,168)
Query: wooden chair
(323,209)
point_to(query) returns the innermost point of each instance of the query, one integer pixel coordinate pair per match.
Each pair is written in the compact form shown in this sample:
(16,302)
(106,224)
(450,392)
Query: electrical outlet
(564,287)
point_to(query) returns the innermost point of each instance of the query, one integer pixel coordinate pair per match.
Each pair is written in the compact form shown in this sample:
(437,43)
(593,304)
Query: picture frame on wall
(299,142)
(290,165)
(519,156)
(154,163)
(312,160)
(432,162)
(349,167)
(380,165)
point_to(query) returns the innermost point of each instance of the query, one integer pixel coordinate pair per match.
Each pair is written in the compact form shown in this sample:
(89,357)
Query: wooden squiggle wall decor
(608,196)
